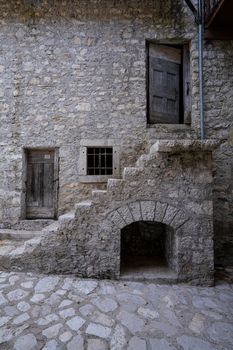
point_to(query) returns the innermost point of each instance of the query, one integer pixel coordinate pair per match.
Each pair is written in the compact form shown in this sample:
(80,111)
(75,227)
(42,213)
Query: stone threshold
(157,274)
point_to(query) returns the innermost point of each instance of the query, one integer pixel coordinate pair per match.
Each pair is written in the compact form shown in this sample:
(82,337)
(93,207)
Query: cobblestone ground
(59,312)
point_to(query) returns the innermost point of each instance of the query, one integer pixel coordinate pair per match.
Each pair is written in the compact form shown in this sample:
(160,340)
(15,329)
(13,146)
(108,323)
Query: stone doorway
(147,251)
(40,183)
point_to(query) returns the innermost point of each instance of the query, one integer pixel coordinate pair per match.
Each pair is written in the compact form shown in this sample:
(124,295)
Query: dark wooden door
(164,84)
(40,184)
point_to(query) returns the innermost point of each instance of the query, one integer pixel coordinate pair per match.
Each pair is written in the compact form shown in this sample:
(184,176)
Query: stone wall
(172,185)
(71,71)
(219,125)
(75,70)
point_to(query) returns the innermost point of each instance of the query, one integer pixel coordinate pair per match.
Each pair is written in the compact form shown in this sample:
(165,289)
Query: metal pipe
(200,64)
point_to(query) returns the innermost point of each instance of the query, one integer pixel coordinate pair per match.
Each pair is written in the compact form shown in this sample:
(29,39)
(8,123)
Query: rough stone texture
(134,323)
(98,330)
(77,71)
(148,317)
(137,344)
(76,342)
(161,344)
(118,339)
(180,192)
(46,285)
(26,342)
(96,344)
(52,331)
(75,323)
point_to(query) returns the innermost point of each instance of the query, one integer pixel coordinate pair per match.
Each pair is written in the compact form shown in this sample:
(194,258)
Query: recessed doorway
(41,183)
(147,250)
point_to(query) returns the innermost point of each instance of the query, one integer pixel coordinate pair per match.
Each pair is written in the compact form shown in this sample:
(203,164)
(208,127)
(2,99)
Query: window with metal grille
(99,161)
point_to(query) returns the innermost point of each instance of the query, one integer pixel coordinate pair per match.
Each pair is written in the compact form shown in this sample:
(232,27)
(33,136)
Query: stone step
(13,242)
(6,247)
(51,228)
(129,173)
(142,160)
(66,217)
(154,148)
(158,275)
(32,225)
(12,251)
(99,194)
(182,146)
(82,207)
(84,204)
(17,235)
(115,184)
(169,132)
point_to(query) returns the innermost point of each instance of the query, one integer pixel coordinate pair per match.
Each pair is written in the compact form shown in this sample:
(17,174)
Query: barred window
(99,160)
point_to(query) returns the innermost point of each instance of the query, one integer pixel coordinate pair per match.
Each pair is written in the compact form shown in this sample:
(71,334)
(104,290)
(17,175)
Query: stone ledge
(169,127)
(174,146)
(17,235)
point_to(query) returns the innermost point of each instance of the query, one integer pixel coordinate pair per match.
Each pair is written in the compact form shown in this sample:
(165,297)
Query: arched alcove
(176,228)
(147,247)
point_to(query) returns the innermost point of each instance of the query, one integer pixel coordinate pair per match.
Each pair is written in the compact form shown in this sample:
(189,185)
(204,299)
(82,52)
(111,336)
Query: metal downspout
(200,66)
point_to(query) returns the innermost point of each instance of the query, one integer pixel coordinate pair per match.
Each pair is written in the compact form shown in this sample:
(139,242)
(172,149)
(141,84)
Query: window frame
(82,163)
(101,156)
(185,81)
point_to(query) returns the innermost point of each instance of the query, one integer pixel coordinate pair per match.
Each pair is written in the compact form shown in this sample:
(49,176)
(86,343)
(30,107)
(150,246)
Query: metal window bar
(99,161)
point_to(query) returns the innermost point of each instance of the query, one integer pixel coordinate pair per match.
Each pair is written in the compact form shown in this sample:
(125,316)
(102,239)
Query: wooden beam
(192,8)
(214,13)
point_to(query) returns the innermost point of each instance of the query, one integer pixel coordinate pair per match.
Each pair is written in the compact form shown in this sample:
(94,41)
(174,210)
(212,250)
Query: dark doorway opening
(147,248)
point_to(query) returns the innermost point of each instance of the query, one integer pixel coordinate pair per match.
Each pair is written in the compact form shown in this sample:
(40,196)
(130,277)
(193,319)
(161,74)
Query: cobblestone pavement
(59,312)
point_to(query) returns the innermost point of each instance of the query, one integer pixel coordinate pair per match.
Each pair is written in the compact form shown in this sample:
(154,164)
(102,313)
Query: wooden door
(41,184)
(164,84)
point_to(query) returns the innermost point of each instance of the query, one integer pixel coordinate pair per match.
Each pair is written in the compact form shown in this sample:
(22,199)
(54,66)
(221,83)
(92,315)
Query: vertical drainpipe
(200,64)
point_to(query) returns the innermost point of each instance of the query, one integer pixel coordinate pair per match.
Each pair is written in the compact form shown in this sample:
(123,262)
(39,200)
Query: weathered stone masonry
(72,71)
(176,177)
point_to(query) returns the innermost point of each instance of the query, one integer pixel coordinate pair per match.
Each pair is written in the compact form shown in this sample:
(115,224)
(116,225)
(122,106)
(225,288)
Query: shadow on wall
(146,244)
(166,12)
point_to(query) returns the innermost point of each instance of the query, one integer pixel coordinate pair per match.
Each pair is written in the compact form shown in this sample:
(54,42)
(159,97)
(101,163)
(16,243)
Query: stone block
(126,214)
(117,219)
(135,209)
(160,211)
(179,219)
(148,210)
(170,214)
(131,173)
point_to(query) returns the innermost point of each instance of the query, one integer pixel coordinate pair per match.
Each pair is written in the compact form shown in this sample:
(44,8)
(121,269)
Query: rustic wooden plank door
(40,184)
(164,84)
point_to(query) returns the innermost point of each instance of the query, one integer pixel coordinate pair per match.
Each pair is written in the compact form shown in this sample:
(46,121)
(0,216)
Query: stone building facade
(74,76)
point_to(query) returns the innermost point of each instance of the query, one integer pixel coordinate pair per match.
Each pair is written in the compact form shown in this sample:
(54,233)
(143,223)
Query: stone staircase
(82,241)
(13,238)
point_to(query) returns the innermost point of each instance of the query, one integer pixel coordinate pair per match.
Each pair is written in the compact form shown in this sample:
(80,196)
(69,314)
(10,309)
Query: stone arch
(147,211)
